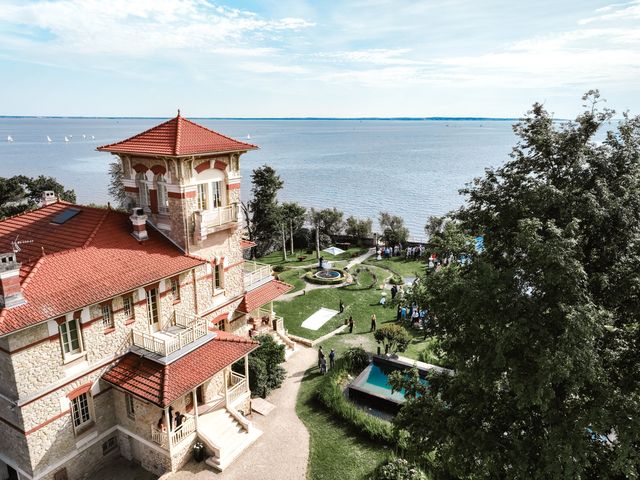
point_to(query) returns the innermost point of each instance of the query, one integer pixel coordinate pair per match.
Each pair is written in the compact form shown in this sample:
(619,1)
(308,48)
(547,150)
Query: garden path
(282,451)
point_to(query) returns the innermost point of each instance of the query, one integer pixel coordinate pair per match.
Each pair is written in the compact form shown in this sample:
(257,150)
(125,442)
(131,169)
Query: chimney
(139,221)
(48,197)
(10,291)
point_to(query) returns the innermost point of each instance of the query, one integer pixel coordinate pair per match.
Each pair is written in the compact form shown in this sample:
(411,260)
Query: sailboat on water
(66,139)
(9,138)
(248,137)
(49,139)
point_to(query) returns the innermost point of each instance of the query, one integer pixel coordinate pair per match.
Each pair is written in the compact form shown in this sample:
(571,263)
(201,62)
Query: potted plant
(198,451)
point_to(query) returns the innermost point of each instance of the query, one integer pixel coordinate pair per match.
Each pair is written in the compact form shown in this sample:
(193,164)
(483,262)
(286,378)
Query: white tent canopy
(333,250)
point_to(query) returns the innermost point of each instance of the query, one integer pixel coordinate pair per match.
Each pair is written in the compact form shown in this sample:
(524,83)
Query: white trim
(9,273)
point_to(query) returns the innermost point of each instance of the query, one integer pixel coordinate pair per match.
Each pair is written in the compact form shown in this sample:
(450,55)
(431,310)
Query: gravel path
(282,452)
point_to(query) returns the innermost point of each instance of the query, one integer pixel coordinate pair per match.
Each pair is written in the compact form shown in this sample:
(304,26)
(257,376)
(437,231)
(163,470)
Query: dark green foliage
(542,326)
(328,220)
(116,186)
(279,268)
(264,212)
(20,193)
(358,228)
(355,359)
(394,338)
(393,230)
(398,469)
(293,215)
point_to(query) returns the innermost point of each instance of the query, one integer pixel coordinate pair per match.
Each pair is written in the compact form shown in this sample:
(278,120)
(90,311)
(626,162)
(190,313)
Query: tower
(186,178)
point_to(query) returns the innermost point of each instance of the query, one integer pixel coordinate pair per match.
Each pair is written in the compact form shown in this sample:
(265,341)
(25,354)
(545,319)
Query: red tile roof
(262,295)
(163,384)
(90,258)
(246,244)
(177,137)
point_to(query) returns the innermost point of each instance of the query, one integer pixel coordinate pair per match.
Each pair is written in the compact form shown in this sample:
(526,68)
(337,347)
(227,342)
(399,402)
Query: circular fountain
(326,276)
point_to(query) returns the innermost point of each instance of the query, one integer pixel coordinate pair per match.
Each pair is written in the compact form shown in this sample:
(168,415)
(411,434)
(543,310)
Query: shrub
(394,338)
(265,371)
(355,359)
(396,280)
(399,469)
(279,268)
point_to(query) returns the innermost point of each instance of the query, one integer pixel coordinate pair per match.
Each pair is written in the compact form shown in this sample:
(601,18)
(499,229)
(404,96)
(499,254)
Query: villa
(118,331)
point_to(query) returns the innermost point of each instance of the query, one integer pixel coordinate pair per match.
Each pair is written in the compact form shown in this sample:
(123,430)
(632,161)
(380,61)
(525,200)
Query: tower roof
(177,137)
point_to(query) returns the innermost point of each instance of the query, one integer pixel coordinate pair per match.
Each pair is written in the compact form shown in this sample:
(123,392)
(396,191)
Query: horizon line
(109,117)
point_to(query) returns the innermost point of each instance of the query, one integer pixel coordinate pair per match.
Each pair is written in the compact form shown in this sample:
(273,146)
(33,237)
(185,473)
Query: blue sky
(316,58)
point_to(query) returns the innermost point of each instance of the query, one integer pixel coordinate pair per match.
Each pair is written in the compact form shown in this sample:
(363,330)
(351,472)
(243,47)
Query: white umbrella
(333,250)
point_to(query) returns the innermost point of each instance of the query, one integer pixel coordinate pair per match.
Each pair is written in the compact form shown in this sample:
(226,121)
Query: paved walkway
(282,452)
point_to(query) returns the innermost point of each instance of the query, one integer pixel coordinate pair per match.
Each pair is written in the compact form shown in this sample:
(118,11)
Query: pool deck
(421,365)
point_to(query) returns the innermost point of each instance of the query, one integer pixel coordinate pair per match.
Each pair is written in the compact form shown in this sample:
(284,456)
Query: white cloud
(615,11)
(377,56)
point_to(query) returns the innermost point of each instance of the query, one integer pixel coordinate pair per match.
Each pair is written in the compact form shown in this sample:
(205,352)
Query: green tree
(116,185)
(265,370)
(293,215)
(360,229)
(394,338)
(265,214)
(542,326)
(21,193)
(393,229)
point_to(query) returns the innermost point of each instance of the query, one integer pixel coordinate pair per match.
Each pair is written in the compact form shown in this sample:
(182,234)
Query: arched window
(143,189)
(163,198)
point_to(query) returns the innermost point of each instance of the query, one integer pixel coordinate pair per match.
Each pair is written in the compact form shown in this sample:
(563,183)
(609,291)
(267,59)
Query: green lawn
(399,265)
(293,277)
(275,258)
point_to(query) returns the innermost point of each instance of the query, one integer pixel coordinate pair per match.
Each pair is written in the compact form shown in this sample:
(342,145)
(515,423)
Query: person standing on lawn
(320,357)
(332,358)
(341,306)
(373,322)
(350,323)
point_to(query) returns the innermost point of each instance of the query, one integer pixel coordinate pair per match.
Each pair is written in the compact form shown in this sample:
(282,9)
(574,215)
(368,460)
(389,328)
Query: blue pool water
(376,381)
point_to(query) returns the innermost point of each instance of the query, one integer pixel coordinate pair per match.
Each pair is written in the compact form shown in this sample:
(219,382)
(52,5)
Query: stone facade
(38,380)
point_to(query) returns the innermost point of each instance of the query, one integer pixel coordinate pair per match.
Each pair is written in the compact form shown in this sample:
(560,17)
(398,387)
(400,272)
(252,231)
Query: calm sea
(410,168)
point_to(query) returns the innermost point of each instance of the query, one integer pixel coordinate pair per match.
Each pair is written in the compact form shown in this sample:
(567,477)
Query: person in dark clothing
(341,306)
(320,356)
(332,358)
(350,324)
(320,262)
(399,314)
(373,323)
(179,419)
(394,291)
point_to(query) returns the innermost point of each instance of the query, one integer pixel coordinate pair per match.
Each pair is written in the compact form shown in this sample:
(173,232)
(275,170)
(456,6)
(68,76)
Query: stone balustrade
(167,343)
(255,273)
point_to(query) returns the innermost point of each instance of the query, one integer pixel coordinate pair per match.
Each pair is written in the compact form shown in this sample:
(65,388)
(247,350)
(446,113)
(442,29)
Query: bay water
(411,168)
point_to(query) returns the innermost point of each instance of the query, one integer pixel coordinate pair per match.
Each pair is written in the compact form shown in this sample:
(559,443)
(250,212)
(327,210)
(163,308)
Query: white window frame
(217,194)
(65,337)
(203,196)
(143,189)
(107,315)
(130,405)
(175,288)
(163,196)
(131,313)
(153,306)
(82,411)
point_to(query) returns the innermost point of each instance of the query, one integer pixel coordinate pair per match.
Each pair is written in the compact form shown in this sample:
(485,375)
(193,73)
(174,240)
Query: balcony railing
(255,272)
(183,431)
(207,221)
(275,321)
(184,320)
(169,343)
(237,388)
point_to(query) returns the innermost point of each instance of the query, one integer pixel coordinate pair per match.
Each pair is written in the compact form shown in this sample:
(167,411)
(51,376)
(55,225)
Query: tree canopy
(359,228)
(542,325)
(393,229)
(21,193)
(265,214)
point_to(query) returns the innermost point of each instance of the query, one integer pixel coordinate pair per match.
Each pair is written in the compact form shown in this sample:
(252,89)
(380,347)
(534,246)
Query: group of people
(322,361)
(176,420)
(414,314)
(374,323)
(411,253)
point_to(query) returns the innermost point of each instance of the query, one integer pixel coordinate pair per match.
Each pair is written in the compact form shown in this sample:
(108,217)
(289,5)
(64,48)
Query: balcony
(207,222)
(161,437)
(187,330)
(256,274)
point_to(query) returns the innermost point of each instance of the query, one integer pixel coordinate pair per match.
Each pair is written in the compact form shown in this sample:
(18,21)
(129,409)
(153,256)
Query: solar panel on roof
(65,216)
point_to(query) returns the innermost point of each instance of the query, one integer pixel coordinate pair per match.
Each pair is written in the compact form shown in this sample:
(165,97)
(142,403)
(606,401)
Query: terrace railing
(169,343)
(207,221)
(255,272)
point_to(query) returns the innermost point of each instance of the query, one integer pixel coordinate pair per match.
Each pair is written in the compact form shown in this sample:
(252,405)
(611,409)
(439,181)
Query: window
(163,198)
(143,189)
(216,196)
(127,307)
(109,445)
(107,316)
(80,411)
(218,281)
(152,306)
(70,337)
(60,475)
(203,198)
(175,288)
(131,410)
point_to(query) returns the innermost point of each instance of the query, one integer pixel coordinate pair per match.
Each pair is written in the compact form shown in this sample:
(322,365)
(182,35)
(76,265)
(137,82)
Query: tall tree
(393,229)
(542,325)
(294,216)
(116,185)
(265,214)
(358,228)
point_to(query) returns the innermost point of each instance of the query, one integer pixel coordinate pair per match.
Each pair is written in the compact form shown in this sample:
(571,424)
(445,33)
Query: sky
(342,58)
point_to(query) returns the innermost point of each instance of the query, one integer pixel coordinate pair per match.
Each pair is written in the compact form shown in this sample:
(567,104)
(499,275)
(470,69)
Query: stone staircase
(289,345)
(226,434)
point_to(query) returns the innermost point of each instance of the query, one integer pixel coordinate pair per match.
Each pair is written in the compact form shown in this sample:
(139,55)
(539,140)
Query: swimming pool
(372,386)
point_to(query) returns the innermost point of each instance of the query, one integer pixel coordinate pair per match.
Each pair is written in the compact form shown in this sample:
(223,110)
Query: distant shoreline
(405,119)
